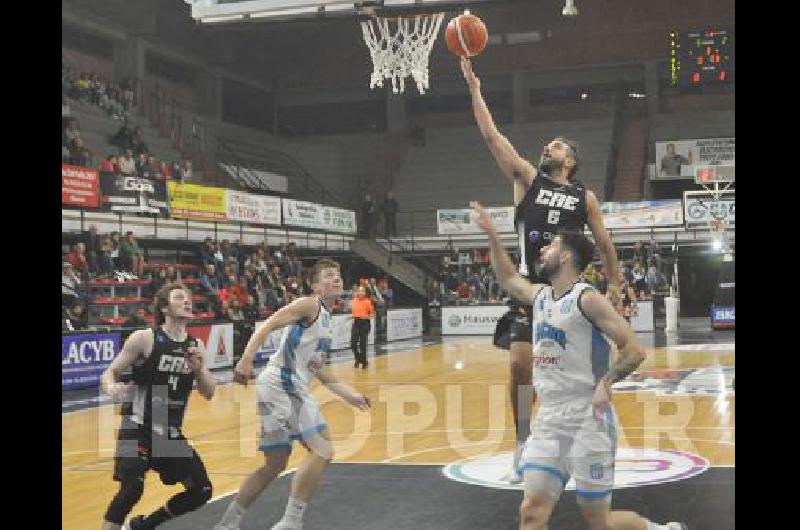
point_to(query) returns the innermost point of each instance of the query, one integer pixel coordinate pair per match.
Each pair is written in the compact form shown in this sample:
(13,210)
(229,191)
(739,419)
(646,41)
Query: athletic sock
(655,526)
(294,510)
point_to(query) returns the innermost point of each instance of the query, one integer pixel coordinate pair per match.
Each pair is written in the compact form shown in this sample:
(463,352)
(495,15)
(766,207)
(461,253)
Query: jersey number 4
(173,382)
(553,216)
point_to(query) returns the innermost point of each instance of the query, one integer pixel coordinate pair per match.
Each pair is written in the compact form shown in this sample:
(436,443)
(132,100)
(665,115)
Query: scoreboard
(700,58)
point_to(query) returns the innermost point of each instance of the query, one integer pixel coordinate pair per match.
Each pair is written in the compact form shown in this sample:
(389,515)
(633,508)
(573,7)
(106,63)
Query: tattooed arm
(631,354)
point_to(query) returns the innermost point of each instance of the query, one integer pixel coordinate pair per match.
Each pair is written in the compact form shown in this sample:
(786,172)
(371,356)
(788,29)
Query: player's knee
(533,511)
(130,491)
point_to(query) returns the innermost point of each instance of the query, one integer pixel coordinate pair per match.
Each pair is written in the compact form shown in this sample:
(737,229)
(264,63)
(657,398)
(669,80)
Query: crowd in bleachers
(133,156)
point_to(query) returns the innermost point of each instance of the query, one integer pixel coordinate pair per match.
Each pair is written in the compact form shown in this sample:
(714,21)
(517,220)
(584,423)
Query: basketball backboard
(218,11)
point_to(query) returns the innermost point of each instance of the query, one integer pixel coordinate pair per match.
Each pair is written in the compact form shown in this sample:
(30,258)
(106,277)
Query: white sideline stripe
(220,497)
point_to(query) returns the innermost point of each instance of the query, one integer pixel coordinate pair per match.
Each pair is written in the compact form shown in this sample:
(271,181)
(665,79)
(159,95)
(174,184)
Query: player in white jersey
(287,409)
(574,432)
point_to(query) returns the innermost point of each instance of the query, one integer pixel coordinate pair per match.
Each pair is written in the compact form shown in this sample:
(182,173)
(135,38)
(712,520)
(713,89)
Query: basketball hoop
(400,47)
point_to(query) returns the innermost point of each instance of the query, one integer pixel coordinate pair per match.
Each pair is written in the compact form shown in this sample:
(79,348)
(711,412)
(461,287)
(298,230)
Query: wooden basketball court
(436,405)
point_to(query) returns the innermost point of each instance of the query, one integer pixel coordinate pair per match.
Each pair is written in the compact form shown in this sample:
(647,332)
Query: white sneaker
(677,526)
(288,525)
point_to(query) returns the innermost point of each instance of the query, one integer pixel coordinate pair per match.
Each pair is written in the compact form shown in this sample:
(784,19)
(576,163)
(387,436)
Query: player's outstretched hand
(473,82)
(360,401)
(118,391)
(482,217)
(601,401)
(243,372)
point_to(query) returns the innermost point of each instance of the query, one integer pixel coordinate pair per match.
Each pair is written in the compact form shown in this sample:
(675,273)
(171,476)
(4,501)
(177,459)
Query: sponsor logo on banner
(85,357)
(704,152)
(471,320)
(459,221)
(633,468)
(80,186)
(250,208)
(121,193)
(642,214)
(302,213)
(723,316)
(192,201)
(701,210)
(339,220)
(403,323)
(218,341)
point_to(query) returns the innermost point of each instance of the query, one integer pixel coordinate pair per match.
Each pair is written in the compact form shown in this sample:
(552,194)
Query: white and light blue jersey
(570,354)
(300,353)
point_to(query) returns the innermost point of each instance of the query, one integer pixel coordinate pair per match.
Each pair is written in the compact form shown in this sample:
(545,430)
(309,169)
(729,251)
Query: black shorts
(138,451)
(514,326)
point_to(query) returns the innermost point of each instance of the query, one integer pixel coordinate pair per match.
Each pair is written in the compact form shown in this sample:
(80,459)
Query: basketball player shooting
(166,361)
(287,409)
(547,199)
(574,433)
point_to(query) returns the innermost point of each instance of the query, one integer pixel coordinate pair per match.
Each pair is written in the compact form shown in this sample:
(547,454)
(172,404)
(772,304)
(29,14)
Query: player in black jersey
(165,361)
(547,199)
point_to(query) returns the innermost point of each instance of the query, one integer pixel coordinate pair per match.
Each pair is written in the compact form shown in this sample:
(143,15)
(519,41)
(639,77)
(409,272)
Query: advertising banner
(84,358)
(700,209)
(403,323)
(459,220)
(723,317)
(471,320)
(679,158)
(618,215)
(218,340)
(256,209)
(80,186)
(120,193)
(302,213)
(192,201)
(338,220)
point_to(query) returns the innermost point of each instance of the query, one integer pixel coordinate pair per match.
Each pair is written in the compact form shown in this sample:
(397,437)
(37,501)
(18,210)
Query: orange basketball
(466,35)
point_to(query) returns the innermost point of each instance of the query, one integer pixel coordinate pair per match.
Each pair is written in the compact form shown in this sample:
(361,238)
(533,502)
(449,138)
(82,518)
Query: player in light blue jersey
(287,409)
(574,431)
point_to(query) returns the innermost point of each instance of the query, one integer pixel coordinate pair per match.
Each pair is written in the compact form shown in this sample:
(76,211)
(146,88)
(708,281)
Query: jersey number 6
(552,216)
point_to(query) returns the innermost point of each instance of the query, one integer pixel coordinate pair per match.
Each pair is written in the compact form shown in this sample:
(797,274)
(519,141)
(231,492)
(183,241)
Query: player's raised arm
(135,346)
(517,286)
(513,166)
(608,253)
(303,308)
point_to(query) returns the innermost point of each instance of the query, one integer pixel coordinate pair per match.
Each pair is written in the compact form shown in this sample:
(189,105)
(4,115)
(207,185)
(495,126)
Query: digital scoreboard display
(700,58)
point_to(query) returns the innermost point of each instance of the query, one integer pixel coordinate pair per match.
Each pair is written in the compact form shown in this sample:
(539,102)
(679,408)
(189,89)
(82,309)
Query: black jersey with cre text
(546,208)
(162,385)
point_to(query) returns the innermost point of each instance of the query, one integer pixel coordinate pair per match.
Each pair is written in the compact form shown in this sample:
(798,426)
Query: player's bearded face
(549,258)
(550,165)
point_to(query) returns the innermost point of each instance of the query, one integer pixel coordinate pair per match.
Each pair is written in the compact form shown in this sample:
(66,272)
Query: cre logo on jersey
(557,200)
(546,331)
(173,364)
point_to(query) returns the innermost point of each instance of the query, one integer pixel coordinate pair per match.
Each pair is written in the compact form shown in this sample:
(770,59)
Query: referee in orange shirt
(363,309)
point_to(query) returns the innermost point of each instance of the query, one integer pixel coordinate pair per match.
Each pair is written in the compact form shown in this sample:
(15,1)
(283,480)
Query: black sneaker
(135,523)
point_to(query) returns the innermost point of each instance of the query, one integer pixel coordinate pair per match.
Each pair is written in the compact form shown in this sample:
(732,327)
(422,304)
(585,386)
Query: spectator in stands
(639,252)
(367,216)
(77,258)
(115,249)
(463,292)
(390,216)
(639,282)
(250,309)
(131,255)
(219,258)
(474,281)
(71,132)
(655,252)
(65,154)
(655,279)
(92,244)
(82,87)
(74,317)
(165,170)
(71,285)
(221,310)
(209,280)
(109,164)
(127,165)
(671,162)
(387,292)
(186,171)
(235,312)
(434,292)
(78,154)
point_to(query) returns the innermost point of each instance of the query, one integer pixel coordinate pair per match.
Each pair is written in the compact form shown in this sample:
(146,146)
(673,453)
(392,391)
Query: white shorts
(286,415)
(569,441)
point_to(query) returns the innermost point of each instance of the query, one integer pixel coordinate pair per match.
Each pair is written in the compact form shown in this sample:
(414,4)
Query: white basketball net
(400,47)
